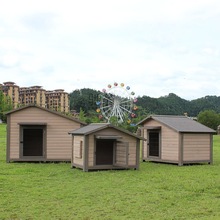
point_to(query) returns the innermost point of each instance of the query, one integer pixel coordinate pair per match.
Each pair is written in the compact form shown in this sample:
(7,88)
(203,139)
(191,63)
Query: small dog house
(176,139)
(39,134)
(104,146)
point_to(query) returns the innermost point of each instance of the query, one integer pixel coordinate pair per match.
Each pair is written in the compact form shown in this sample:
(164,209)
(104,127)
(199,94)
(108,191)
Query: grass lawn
(156,191)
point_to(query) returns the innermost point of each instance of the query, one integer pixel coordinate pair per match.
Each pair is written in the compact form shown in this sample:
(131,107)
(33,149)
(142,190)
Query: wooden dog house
(104,146)
(176,139)
(39,134)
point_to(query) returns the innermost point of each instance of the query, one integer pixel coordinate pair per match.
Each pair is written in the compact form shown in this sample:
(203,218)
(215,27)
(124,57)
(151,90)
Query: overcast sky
(156,47)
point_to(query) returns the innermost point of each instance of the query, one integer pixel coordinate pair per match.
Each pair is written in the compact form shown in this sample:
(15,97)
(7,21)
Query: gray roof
(94,127)
(180,123)
(89,128)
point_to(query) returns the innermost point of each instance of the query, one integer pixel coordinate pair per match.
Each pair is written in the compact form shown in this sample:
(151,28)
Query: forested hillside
(168,105)
(171,104)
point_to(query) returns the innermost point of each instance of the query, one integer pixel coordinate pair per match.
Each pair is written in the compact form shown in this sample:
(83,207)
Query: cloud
(156,47)
(39,21)
(9,60)
(210,51)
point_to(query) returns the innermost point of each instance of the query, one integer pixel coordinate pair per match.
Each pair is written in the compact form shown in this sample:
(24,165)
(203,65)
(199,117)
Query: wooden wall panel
(91,151)
(78,152)
(196,147)
(132,154)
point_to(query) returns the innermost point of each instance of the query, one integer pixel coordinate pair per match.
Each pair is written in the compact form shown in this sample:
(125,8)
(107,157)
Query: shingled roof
(94,127)
(179,123)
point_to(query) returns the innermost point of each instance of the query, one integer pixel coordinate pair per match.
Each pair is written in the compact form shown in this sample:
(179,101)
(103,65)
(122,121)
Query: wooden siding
(91,150)
(14,140)
(144,145)
(196,147)
(169,142)
(132,159)
(58,141)
(78,152)
(121,155)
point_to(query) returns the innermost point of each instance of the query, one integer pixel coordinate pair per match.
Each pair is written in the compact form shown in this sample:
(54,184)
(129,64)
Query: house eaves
(181,124)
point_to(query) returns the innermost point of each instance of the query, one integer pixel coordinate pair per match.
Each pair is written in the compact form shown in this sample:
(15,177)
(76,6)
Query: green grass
(156,191)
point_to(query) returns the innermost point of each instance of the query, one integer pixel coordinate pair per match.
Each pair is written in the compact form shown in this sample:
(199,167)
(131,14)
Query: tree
(204,103)
(209,118)
(5,105)
(82,116)
(85,99)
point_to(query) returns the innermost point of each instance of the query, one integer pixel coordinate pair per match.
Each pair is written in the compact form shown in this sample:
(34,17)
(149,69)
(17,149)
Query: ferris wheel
(117,101)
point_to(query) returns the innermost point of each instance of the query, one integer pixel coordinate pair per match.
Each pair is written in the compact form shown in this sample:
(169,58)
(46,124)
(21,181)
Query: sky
(155,47)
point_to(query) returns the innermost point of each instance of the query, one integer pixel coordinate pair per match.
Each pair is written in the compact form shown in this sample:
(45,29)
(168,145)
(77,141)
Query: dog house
(104,146)
(39,134)
(176,139)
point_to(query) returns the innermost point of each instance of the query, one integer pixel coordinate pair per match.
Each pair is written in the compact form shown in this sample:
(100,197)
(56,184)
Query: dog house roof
(179,123)
(94,127)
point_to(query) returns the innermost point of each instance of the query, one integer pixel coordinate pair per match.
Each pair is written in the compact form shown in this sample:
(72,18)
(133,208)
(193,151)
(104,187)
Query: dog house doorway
(104,151)
(154,143)
(32,141)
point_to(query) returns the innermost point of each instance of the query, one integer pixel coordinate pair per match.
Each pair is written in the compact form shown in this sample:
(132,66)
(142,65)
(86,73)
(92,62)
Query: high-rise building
(57,100)
(12,90)
(33,94)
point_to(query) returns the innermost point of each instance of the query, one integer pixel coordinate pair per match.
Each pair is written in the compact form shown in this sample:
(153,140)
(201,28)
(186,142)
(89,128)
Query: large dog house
(39,134)
(104,146)
(176,139)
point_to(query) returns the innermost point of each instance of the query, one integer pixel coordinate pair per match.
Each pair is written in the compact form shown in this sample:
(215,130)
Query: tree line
(84,102)
(166,105)
(204,109)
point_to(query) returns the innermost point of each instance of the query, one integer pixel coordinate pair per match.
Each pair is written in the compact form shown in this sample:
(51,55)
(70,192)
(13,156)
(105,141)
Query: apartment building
(12,90)
(33,94)
(57,100)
